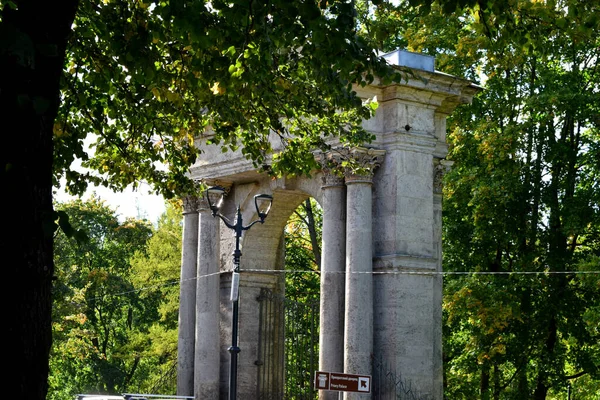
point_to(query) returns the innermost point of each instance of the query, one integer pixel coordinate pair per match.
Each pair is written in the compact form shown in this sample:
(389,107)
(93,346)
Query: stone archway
(262,252)
(380,283)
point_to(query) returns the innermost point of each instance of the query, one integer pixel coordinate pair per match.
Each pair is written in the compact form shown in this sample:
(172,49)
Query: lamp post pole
(262,202)
(234,349)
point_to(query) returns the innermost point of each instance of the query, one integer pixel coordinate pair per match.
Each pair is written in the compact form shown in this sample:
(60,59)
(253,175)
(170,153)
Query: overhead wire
(420,272)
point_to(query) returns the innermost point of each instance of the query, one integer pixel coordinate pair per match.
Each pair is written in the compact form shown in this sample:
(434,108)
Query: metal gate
(287,347)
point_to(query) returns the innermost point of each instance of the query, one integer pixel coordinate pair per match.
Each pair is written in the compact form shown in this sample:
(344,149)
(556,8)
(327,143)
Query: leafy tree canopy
(523,195)
(99,317)
(115,304)
(303,252)
(147,78)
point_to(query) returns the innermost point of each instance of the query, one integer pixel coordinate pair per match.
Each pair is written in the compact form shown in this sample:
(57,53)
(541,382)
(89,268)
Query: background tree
(523,195)
(158,270)
(303,252)
(302,289)
(145,78)
(100,318)
(116,308)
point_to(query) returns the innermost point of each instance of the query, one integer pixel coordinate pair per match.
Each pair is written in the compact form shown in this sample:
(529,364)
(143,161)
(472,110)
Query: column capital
(360,163)
(202,205)
(440,168)
(356,164)
(190,204)
(331,166)
(332,180)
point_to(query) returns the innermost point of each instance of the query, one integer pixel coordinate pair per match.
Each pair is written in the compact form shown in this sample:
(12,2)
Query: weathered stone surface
(333,264)
(358,323)
(206,381)
(187,299)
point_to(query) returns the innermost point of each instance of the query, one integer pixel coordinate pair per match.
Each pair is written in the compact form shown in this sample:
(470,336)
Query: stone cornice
(404,262)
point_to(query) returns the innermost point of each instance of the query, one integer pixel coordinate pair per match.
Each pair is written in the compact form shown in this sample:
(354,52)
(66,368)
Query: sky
(136,204)
(140,203)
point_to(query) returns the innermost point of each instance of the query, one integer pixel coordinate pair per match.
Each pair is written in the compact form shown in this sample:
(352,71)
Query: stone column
(358,329)
(187,298)
(333,259)
(207,359)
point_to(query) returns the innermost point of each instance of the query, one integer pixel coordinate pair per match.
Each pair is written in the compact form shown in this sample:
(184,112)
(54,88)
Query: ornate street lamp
(262,202)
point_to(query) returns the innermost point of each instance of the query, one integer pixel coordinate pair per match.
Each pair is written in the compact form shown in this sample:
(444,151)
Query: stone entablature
(421,103)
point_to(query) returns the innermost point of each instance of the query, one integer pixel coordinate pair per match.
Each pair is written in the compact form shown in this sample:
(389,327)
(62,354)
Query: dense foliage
(302,288)
(115,304)
(303,252)
(524,193)
(97,310)
(147,78)
(157,271)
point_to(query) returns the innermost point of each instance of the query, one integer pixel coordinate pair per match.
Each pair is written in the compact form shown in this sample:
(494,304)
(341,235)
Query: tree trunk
(32,51)
(541,390)
(312,230)
(484,382)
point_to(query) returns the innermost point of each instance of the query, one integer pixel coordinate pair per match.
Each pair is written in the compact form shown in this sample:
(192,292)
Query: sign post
(342,382)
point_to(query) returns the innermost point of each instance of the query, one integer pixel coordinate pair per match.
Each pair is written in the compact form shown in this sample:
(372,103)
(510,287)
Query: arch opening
(288,336)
